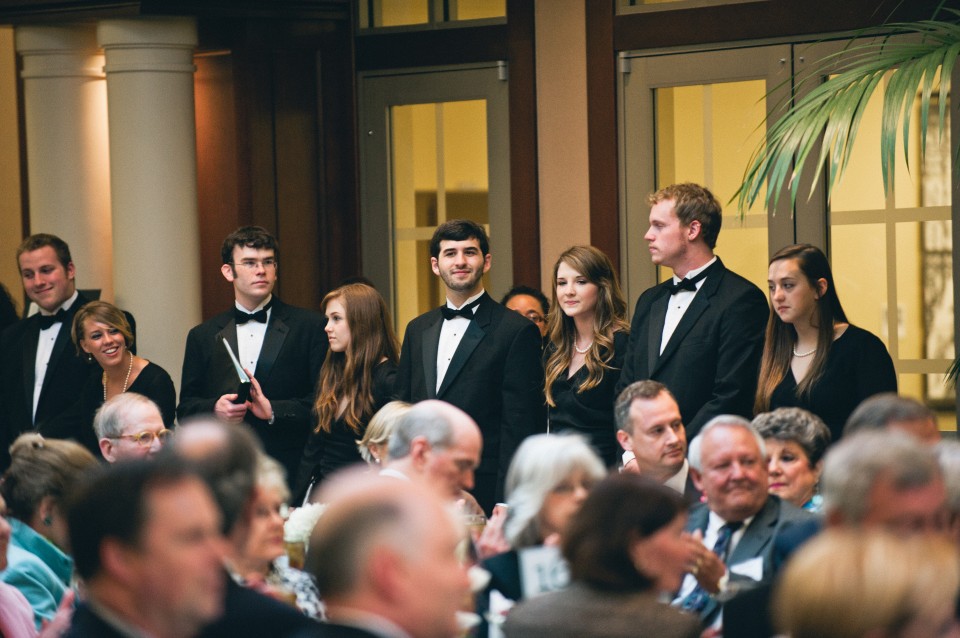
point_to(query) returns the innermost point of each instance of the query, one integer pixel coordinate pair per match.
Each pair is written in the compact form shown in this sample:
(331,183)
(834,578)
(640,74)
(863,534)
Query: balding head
(439,443)
(388,548)
(889,411)
(225,455)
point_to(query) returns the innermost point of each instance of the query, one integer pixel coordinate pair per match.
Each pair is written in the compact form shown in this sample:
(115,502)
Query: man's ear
(697,478)
(119,561)
(434,266)
(625,440)
(71,271)
(486,262)
(106,449)
(694,230)
(227,271)
(420,450)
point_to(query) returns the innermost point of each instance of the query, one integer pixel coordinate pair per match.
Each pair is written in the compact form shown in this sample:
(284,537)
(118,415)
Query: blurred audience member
(384,554)
(148,547)
(548,480)
(870,583)
(129,426)
(891,411)
(625,547)
(885,479)
(948,453)
(40,473)
(796,441)
(257,558)
(373,446)
(437,444)
(225,455)
(16,615)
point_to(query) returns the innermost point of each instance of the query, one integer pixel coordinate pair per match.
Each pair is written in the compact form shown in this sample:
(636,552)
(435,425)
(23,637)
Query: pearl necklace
(803,354)
(585,350)
(126,379)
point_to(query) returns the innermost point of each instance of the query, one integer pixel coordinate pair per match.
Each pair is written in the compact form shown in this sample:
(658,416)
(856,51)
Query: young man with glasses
(281,347)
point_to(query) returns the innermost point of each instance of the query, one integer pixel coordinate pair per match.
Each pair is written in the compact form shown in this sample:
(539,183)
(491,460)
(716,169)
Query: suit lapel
(62,347)
(430,345)
(276,333)
(474,334)
(757,535)
(699,305)
(31,336)
(658,315)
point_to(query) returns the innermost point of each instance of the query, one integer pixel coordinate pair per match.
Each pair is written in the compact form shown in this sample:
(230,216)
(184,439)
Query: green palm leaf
(816,132)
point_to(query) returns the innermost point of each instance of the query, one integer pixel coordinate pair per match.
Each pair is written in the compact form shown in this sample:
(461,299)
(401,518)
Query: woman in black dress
(356,380)
(102,333)
(813,358)
(588,334)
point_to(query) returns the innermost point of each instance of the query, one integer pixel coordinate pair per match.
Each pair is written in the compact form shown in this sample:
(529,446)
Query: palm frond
(828,117)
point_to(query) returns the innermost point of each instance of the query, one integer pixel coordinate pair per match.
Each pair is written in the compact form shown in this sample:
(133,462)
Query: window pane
(705,134)
(478,9)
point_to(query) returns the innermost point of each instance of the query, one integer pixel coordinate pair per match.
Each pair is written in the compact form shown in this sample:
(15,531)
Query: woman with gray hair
(549,478)
(796,441)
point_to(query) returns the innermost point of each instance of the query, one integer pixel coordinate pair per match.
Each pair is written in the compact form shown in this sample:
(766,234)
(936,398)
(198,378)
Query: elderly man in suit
(41,374)
(736,528)
(280,346)
(700,333)
(476,355)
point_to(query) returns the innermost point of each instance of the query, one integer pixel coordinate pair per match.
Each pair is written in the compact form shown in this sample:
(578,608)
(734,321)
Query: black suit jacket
(249,613)
(288,367)
(85,623)
(63,383)
(758,541)
(712,360)
(496,376)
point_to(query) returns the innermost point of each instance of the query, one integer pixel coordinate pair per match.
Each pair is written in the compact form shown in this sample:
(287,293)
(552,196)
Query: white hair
(723,420)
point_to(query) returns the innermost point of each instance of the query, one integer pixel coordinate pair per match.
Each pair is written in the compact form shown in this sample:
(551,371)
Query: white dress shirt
(714,523)
(250,337)
(45,343)
(678,303)
(451,333)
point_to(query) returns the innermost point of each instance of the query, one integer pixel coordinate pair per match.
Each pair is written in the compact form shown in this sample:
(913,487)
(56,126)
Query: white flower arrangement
(301,521)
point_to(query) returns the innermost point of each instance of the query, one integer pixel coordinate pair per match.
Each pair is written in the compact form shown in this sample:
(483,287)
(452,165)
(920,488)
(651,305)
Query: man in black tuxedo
(146,541)
(651,433)
(280,346)
(701,333)
(384,554)
(41,373)
(476,355)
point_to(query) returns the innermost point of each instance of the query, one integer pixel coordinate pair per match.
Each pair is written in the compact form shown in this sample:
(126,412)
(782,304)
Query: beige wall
(561,129)
(11,227)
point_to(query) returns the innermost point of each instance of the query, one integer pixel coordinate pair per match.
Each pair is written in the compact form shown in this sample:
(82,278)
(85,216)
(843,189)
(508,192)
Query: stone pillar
(153,172)
(65,112)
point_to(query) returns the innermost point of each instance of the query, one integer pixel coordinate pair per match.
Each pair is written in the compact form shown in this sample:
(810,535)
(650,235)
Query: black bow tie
(687,284)
(47,321)
(466,312)
(242,317)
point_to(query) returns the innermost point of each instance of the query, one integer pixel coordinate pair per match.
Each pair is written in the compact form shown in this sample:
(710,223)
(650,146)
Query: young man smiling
(475,354)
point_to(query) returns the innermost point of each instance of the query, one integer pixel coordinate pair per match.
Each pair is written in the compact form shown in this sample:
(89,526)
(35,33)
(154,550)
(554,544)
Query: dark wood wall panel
(524,191)
(217,200)
(296,135)
(602,130)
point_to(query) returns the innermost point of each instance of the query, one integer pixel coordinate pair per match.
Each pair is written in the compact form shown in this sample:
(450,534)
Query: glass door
(435,147)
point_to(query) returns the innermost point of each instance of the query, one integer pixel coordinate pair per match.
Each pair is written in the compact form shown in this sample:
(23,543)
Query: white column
(153,170)
(65,111)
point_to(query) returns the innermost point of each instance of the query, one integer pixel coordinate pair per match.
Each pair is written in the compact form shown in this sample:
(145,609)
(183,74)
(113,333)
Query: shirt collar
(66,305)
(696,271)
(257,309)
(467,302)
(678,482)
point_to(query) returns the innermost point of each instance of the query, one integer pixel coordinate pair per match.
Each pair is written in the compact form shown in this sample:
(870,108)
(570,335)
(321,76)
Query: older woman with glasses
(102,333)
(129,426)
